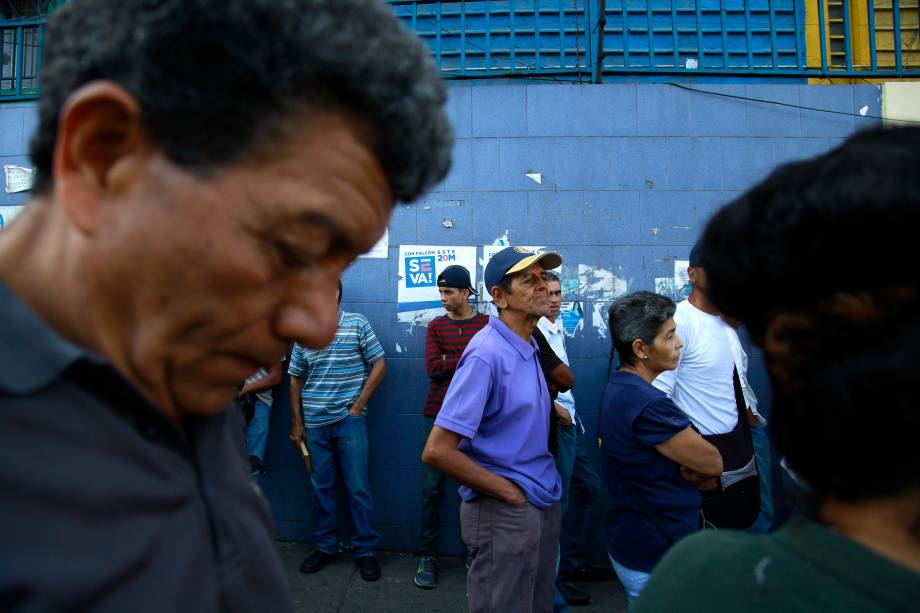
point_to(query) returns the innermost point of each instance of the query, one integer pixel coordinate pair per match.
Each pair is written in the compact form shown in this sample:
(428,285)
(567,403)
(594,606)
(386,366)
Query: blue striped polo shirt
(335,374)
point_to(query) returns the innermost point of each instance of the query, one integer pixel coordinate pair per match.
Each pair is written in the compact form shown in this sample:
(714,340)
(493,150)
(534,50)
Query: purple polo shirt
(498,402)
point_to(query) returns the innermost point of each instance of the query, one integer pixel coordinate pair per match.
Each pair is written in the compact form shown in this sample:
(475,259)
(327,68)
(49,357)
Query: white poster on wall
(417,297)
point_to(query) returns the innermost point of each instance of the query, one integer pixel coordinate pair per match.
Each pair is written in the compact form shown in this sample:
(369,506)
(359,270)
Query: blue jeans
(764,521)
(578,532)
(565,460)
(257,430)
(432,496)
(345,442)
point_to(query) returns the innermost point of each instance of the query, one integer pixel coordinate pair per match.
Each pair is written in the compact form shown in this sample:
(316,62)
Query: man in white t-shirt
(706,386)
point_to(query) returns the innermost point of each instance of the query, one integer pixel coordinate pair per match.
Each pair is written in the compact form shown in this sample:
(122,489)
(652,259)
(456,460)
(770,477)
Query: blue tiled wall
(630,175)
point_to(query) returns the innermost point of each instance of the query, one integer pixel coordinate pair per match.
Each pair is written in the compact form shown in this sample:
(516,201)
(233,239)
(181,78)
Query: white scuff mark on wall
(418,318)
(655,231)
(448,222)
(681,227)
(691,64)
(863,110)
(502,240)
(399,348)
(536,177)
(599,319)
(598,283)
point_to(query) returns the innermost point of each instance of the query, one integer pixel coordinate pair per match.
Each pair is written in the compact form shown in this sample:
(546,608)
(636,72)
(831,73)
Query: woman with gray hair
(653,460)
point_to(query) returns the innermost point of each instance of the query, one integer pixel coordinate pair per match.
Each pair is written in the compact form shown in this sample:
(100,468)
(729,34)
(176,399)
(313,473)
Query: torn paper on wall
(599,319)
(572,316)
(18,178)
(598,283)
(666,287)
(681,278)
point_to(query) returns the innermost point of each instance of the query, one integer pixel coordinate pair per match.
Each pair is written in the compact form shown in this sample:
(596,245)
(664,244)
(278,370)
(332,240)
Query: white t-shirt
(554,336)
(701,385)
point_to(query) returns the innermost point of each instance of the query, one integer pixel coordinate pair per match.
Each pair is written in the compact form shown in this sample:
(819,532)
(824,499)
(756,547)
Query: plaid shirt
(444,344)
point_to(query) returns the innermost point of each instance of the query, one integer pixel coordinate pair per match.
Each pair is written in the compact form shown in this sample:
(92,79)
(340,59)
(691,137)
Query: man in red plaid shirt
(445,341)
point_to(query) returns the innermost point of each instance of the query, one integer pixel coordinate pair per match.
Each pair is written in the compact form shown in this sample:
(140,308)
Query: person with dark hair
(330,389)
(652,455)
(445,339)
(206,169)
(842,346)
(492,435)
(707,386)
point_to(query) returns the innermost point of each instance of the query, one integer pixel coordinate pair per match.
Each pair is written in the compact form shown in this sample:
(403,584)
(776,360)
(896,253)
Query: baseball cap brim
(549,259)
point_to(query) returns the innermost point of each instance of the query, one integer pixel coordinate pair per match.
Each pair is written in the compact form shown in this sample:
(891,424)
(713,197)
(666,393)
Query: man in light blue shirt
(491,435)
(330,389)
(580,482)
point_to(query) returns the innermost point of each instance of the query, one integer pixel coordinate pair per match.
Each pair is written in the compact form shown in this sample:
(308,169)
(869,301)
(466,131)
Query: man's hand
(297,435)
(514,495)
(700,482)
(562,415)
(752,419)
(355,410)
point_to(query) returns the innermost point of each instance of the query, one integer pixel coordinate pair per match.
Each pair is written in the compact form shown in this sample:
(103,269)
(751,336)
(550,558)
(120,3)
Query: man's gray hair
(218,81)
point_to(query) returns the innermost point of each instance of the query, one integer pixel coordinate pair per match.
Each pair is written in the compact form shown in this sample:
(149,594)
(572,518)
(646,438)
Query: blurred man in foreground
(205,171)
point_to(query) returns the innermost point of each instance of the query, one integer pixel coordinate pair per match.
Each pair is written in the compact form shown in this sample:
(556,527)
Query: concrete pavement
(339,586)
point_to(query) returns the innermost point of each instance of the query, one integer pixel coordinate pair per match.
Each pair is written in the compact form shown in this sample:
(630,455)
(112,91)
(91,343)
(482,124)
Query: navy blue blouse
(635,416)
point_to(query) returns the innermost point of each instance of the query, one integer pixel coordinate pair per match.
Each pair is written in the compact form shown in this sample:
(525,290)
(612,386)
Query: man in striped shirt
(445,341)
(330,389)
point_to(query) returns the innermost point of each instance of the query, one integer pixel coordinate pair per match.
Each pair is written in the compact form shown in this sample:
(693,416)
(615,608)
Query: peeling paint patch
(399,348)
(599,319)
(502,240)
(656,231)
(418,318)
(598,283)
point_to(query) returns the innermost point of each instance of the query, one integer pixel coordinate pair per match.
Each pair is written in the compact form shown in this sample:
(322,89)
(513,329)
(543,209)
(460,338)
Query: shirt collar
(549,326)
(525,348)
(33,354)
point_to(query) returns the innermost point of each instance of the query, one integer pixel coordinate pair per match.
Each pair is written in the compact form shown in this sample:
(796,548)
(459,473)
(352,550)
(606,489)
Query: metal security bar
(22,31)
(490,38)
(591,39)
(794,38)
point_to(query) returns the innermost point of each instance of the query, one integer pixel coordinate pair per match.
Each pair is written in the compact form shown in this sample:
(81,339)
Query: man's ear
(99,128)
(498,297)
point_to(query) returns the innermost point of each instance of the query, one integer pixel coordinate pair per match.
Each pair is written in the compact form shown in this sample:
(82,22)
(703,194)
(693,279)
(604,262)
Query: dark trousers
(578,532)
(432,497)
(515,546)
(734,507)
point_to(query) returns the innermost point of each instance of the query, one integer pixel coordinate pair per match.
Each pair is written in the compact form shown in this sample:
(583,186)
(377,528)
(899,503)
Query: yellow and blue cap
(515,259)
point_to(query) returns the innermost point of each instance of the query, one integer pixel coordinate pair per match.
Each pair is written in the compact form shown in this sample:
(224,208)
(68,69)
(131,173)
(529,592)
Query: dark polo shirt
(106,505)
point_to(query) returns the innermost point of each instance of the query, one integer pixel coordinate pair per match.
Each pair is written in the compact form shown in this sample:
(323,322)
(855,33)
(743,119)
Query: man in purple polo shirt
(491,435)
